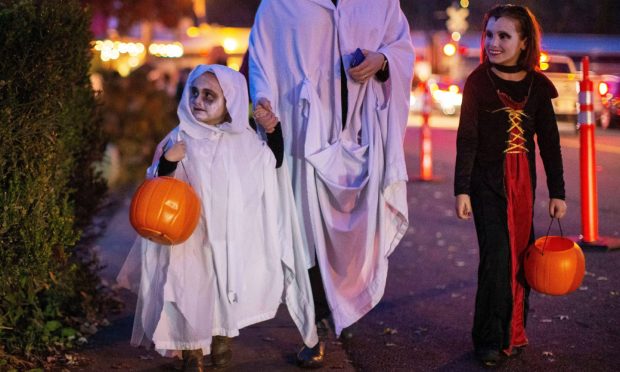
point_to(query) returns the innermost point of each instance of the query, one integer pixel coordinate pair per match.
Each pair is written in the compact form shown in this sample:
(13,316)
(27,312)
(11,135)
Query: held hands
(557,208)
(463,207)
(176,152)
(368,68)
(263,114)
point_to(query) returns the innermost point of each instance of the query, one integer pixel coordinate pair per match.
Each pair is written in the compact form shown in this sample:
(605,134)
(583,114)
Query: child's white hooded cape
(349,185)
(244,258)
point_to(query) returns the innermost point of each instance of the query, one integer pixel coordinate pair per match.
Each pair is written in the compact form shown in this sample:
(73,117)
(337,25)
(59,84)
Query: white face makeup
(206,101)
(503,43)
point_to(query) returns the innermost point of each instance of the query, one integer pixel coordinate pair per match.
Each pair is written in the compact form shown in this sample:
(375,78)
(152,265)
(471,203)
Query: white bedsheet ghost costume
(246,255)
(349,185)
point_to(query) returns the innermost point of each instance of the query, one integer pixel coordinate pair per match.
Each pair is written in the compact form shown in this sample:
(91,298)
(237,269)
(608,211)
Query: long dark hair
(528,28)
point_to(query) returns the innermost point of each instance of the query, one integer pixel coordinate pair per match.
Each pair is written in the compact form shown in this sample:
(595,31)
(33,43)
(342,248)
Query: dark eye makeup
(501,34)
(209,95)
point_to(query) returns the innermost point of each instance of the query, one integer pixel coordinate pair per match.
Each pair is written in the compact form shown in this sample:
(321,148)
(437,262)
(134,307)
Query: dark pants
(321,307)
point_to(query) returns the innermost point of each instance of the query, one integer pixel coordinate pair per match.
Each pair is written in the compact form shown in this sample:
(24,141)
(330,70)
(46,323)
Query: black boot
(192,361)
(312,357)
(221,353)
(515,351)
(488,357)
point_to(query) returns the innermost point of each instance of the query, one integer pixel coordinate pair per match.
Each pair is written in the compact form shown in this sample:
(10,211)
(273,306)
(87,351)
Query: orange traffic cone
(587,167)
(426,145)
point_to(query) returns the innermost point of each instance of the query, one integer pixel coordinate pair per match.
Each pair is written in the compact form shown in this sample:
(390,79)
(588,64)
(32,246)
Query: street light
(449,49)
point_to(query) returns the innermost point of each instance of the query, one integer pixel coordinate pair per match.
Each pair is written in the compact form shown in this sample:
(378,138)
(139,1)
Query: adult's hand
(264,116)
(463,206)
(368,68)
(557,208)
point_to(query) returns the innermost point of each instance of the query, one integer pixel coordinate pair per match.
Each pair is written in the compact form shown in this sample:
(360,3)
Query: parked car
(561,70)
(446,96)
(609,90)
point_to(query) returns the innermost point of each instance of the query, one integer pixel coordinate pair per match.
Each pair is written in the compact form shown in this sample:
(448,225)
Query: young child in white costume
(245,256)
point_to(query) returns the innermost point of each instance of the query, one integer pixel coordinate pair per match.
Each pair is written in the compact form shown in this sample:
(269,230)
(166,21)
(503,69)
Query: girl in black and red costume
(506,103)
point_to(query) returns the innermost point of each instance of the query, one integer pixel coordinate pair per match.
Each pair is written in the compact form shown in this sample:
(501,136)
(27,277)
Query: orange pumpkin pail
(554,265)
(165,210)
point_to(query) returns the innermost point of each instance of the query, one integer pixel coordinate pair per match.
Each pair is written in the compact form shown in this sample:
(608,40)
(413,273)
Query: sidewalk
(423,322)
(270,345)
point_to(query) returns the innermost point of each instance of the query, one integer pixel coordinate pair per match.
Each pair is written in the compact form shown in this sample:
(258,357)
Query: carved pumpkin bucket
(554,265)
(165,210)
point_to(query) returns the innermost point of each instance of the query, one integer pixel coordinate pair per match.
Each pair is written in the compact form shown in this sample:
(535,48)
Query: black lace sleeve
(466,140)
(166,167)
(548,138)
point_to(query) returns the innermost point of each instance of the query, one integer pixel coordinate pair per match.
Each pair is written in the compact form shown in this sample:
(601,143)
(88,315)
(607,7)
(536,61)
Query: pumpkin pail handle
(181,161)
(182,165)
(185,170)
(549,229)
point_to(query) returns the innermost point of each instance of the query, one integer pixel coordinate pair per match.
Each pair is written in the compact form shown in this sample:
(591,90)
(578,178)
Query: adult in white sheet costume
(246,255)
(348,171)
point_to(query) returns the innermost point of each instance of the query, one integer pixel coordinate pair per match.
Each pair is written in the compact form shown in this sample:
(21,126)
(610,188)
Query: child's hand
(263,114)
(463,206)
(176,152)
(557,208)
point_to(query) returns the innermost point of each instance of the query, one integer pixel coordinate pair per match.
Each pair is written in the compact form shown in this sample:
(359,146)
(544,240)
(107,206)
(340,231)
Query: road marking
(599,147)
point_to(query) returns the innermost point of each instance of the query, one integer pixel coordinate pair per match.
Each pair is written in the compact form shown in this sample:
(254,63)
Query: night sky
(555,16)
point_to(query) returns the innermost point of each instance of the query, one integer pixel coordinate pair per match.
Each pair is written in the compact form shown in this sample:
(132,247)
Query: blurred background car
(609,90)
(447,96)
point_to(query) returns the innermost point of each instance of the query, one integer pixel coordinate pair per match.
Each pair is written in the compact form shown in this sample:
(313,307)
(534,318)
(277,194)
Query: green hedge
(49,139)
(138,114)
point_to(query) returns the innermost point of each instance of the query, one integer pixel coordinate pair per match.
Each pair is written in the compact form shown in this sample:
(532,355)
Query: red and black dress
(495,166)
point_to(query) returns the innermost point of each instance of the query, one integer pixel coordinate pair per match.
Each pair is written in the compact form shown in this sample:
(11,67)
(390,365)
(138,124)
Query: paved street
(424,320)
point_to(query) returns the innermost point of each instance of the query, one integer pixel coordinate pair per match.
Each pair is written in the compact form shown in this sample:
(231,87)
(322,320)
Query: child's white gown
(244,258)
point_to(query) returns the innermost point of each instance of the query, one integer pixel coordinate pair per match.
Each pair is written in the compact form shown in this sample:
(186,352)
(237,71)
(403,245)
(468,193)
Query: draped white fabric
(246,255)
(349,184)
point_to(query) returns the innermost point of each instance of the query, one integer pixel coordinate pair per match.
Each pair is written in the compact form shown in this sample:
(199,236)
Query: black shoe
(193,361)
(488,357)
(515,351)
(346,333)
(311,357)
(221,354)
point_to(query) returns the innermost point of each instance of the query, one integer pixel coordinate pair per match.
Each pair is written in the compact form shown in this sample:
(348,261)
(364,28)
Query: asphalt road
(424,321)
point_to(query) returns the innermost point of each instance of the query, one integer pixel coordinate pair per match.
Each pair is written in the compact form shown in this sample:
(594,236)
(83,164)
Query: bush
(49,139)
(138,114)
